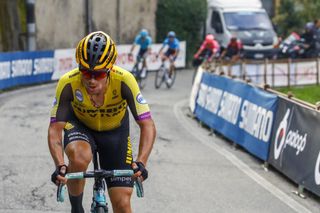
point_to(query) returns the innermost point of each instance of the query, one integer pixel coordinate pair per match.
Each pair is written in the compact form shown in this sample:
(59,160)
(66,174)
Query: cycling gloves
(60,170)
(141,168)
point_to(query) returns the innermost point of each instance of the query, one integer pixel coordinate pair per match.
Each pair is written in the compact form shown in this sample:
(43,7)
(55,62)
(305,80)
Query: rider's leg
(171,70)
(79,154)
(120,199)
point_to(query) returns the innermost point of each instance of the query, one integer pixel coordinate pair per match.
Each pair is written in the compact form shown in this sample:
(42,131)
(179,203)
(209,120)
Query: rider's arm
(55,142)
(147,137)
(132,48)
(59,115)
(141,112)
(165,42)
(135,43)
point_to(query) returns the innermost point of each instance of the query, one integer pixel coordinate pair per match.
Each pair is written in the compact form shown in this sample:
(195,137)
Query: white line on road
(237,162)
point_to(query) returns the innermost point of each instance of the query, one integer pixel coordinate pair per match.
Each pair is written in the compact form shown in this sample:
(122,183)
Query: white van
(245,19)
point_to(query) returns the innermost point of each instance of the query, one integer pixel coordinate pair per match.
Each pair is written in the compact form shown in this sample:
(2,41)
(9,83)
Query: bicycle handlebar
(99,174)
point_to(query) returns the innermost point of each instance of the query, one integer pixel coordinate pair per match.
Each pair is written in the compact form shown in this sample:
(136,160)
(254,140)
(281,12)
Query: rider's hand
(139,170)
(58,176)
(196,56)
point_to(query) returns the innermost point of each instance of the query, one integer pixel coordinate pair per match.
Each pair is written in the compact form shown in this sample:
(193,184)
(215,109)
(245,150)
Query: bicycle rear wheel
(173,78)
(159,77)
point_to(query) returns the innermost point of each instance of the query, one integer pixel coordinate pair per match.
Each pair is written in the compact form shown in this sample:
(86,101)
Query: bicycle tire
(173,78)
(100,209)
(159,77)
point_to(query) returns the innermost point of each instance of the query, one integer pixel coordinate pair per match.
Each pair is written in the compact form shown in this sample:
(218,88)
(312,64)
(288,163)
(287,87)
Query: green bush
(185,17)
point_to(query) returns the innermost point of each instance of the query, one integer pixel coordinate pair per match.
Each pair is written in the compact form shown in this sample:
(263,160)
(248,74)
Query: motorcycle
(292,47)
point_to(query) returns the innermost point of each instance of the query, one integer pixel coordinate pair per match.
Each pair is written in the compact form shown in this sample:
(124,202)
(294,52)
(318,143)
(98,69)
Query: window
(216,23)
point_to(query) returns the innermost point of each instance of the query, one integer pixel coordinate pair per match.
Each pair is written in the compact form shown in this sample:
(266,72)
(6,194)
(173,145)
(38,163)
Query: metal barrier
(277,73)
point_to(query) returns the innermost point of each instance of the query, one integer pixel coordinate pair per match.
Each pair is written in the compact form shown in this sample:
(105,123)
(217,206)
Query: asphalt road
(190,170)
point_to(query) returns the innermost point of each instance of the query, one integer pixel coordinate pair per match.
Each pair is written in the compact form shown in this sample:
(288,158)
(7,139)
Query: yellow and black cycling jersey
(72,99)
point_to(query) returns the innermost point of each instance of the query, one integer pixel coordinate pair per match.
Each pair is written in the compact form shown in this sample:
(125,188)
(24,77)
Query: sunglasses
(98,75)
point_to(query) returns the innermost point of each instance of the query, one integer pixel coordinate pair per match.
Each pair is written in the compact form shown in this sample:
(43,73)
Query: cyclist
(209,47)
(145,41)
(91,108)
(234,50)
(172,52)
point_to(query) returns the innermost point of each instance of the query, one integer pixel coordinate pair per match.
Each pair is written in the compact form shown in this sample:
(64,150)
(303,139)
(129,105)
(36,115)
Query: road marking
(237,161)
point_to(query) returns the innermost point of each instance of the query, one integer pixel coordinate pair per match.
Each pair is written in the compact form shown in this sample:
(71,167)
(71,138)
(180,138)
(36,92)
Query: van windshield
(247,20)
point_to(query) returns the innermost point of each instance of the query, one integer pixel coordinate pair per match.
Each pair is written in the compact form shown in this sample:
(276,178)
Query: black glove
(141,168)
(59,171)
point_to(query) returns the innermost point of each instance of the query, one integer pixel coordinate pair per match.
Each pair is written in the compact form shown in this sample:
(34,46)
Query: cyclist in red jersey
(234,50)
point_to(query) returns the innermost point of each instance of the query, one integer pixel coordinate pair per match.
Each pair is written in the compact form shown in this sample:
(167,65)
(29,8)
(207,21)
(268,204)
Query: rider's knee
(79,157)
(122,204)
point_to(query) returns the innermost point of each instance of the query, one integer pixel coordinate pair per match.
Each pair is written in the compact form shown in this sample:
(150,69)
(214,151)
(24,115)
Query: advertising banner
(295,145)
(65,58)
(239,111)
(22,68)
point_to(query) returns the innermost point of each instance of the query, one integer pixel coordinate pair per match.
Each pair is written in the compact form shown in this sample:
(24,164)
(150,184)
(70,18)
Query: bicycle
(99,203)
(203,61)
(138,73)
(163,75)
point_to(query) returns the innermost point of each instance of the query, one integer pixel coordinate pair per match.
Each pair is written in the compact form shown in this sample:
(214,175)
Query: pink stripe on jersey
(144,116)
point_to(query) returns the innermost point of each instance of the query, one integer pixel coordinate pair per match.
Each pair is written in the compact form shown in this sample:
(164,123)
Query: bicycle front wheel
(159,77)
(143,79)
(173,78)
(101,209)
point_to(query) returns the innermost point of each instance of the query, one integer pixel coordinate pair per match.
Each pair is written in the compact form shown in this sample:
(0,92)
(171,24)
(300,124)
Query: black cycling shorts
(170,52)
(113,147)
(142,53)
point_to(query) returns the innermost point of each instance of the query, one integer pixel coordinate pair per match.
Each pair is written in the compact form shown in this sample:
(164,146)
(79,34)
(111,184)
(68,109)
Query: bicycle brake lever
(139,187)
(60,192)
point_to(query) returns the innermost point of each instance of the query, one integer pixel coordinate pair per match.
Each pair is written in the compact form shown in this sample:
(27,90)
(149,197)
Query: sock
(76,203)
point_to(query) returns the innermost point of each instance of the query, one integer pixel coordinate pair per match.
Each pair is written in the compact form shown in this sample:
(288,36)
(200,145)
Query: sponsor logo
(141,99)
(54,102)
(317,171)
(290,138)
(102,112)
(79,95)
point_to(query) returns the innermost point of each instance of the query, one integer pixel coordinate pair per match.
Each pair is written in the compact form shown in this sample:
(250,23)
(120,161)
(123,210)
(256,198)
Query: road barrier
(276,73)
(25,68)
(279,130)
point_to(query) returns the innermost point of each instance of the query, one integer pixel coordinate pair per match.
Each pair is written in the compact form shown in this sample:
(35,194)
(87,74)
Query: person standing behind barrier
(145,41)
(234,50)
(309,40)
(209,47)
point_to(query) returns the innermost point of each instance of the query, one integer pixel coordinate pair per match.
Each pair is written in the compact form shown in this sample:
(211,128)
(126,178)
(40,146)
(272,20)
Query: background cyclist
(91,108)
(144,40)
(234,50)
(209,47)
(172,52)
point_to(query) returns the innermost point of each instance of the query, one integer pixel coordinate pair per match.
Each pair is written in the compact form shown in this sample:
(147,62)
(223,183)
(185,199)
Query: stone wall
(61,23)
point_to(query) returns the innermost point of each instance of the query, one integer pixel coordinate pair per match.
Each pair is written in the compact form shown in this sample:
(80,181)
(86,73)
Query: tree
(292,15)
(287,19)
(186,18)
